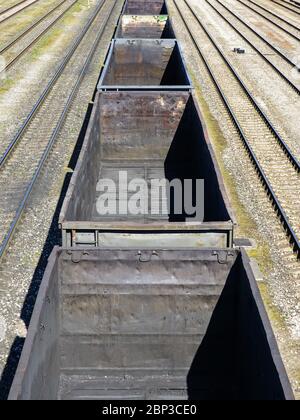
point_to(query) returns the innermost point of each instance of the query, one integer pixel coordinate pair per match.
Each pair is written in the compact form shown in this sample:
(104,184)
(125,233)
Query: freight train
(148,306)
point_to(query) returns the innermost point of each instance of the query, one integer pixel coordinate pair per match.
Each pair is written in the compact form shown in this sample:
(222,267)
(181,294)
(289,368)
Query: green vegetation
(289,347)
(246,226)
(45,42)
(57,33)
(275,316)
(162,18)
(77,8)
(17,24)
(6,84)
(59,30)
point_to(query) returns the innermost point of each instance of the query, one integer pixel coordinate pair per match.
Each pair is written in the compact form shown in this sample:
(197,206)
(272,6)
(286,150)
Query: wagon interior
(164,325)
(144,62)
(156,137)
(145,7)
(156,27)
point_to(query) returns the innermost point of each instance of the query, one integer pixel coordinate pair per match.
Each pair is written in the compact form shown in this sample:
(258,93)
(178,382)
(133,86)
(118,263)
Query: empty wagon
(144,64)
(147,136)
(139,324)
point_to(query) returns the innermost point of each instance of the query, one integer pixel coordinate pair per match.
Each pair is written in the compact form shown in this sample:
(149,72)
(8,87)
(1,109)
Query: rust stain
(275,36)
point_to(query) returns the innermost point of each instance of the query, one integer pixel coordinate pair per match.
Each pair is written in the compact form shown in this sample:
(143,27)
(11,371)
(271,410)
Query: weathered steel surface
(145,7)
(155,27)
(147,124)
(39,367)
(138,323)
(157,134)
(144,64)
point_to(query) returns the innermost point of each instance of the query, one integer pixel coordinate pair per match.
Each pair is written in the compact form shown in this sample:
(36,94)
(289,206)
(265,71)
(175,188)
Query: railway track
(264,39)
(285,4)
(281,64)
(12,6)
(26,31)
(276,166)
(18,47)
(26,155)
(296,3)
(273,14)
(10,13)
(288,28)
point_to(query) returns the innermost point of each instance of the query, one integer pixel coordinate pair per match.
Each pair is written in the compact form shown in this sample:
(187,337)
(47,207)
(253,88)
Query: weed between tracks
(246,226)
(58,34)
(6,85)
(59,30)
(17,24)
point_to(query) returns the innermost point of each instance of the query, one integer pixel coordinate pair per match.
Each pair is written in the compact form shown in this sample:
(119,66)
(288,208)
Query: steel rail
(286,7)
(2,12)
(17,11)
(297,4)
(274,14)
(262,55)
(11,43)
(61,120)
(36,39)
(271,21)
(291,3)
(282,55)
(295,162)
(46,91)
(270,192)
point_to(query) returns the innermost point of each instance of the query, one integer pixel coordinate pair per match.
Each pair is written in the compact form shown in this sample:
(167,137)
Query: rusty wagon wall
(145,7)
(144,64)
(155,130)
(150,325)
(153,27)
(39,366)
